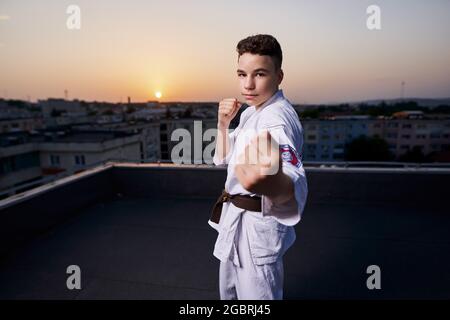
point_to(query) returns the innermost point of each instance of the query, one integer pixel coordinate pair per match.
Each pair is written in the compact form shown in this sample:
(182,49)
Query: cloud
(4,17)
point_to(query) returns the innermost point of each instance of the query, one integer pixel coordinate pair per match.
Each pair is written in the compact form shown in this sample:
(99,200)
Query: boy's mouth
(250,96)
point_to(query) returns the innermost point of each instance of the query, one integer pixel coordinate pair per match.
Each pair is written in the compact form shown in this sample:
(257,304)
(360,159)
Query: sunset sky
(186,49)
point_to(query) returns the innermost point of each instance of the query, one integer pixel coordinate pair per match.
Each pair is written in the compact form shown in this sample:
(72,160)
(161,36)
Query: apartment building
(324,140)
(26,157)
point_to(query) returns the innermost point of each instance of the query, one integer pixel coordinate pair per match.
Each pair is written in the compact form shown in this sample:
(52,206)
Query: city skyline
(186,51)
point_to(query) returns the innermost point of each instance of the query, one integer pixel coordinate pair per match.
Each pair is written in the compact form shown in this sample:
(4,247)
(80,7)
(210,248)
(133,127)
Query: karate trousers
(249,281)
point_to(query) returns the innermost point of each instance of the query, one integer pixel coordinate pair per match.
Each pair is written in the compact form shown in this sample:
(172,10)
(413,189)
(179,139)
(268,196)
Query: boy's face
(258,79)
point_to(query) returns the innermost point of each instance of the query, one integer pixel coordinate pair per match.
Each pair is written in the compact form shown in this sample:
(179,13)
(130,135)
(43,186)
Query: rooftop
(139,231)
(60,135)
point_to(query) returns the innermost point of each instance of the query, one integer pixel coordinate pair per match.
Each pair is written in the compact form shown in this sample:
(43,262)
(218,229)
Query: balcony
(139,231)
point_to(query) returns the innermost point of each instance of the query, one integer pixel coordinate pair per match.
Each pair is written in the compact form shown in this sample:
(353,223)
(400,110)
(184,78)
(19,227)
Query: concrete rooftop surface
(139,231)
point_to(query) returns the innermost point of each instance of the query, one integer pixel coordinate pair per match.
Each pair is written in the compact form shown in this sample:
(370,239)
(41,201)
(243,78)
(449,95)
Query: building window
(79,160)
(7,165)
(27,160)
(163,137)
(311,137)
(406,126)
(406,136)
(54,160)
(435,135)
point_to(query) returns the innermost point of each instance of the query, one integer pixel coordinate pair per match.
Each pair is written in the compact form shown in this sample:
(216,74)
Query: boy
(264,198)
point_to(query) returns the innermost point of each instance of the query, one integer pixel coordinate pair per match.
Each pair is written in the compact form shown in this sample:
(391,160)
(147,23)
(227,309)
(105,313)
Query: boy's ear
(280,75)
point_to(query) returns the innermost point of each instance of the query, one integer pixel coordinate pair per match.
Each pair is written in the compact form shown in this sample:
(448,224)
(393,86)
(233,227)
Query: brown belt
(241,201)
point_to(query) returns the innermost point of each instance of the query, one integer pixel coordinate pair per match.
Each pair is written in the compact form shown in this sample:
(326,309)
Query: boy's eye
(258,74)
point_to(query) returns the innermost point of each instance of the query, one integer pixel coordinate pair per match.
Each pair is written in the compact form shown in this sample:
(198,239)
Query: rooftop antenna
(403,90)
(66,94)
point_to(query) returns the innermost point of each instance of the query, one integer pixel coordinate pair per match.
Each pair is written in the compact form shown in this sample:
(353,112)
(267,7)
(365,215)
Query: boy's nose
(249,83)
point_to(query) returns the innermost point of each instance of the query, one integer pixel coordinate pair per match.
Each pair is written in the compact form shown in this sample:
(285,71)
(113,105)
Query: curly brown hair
(262,44)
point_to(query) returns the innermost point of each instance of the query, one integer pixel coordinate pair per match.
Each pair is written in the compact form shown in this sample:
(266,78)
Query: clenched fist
(259,169)
(259,163)
(228,108)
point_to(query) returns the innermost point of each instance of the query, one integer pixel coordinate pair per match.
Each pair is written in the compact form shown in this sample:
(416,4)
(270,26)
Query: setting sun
(158,94)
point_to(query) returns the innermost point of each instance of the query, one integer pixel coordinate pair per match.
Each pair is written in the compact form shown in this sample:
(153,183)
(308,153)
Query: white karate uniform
(250,245)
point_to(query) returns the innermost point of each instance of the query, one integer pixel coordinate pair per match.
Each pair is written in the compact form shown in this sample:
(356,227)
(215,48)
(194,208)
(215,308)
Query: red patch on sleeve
(289,154)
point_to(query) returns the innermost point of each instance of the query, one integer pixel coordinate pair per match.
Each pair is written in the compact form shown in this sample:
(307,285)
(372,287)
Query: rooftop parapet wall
(27,215)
